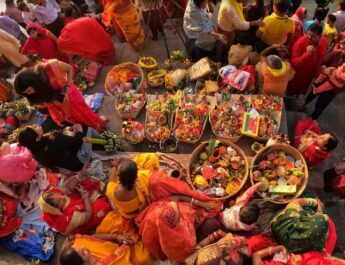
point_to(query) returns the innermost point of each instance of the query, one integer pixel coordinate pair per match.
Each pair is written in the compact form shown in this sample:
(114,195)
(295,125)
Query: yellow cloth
(108,253)
(127,17)
(130,209)
(239,54)
(276,29)
(238,8)
(9,48)
(115,223)
(330,34)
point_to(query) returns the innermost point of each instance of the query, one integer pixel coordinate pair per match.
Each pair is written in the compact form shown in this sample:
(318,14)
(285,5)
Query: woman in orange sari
(99,249)
(49,84)
(167,226)
(77,207)
(124,14)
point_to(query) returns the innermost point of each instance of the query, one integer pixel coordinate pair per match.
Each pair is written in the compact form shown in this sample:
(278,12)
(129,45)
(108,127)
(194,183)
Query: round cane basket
(132,114)
(289,150)
(195,156)
(128,65)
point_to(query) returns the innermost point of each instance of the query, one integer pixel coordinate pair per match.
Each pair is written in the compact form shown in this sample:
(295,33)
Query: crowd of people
(50,184)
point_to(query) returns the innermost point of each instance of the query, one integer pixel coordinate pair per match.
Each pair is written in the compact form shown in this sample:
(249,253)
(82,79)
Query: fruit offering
(147,63)
(219,169)
(176,79)
(283,173)
(158,118)
(226,119)
(128,102)
(261,102)
(191,118)
(156,78)
(178,56)
(111,142)
(267,126)
(133,132)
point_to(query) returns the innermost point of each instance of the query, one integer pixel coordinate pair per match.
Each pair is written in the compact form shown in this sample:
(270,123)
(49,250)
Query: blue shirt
(10,26)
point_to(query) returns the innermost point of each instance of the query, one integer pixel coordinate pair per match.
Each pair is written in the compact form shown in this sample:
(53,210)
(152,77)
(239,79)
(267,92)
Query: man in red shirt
(307,56)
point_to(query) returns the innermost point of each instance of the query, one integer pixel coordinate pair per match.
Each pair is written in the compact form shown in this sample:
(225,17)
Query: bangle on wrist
(79,177)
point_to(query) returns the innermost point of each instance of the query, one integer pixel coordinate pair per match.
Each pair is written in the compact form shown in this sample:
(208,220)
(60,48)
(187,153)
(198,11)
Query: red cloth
(298,18)
(43,45)
(258,242)
(12,222)
(336,185)
(311,154)
(166,227)
(86,37)
(73,109)
(100,208)
(306,66)
(251,70)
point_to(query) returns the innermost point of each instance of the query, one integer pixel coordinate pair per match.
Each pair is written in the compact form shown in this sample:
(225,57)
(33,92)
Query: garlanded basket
(147,63)
(218,166)
(279,167)
(110,84)
(156,78)
(133,132)
(134,111)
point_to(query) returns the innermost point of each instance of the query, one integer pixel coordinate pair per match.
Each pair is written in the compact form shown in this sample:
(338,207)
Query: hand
(83,192)
(223,39)
(208,205)
(258,23)
(77,127)
(329,70)
(310,49)
(122,239)
(283,250)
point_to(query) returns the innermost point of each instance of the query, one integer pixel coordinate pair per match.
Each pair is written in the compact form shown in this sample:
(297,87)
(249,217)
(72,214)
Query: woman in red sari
(86,37)
(77,207)
(314,146)
(299,17)
(167,226)
(42,42)
(49,85)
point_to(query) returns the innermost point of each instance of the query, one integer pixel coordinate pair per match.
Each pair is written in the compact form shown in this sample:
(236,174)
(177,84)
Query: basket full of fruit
(218,169)
(283,172)
(129,105)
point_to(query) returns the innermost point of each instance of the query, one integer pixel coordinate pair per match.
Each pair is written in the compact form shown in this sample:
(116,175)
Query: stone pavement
(331,121)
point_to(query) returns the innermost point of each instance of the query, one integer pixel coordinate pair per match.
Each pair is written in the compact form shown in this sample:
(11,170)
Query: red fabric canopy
(85,37)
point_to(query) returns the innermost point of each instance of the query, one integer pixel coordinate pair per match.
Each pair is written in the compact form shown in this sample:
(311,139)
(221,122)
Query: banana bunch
(13,137)
(114,142)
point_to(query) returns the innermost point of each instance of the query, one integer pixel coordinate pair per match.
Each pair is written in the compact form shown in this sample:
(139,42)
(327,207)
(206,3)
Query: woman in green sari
(301,226)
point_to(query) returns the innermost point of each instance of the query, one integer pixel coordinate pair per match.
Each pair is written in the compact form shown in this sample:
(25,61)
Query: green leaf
(212,145)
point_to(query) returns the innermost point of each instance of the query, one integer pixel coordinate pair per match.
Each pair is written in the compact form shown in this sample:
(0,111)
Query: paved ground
(330,121)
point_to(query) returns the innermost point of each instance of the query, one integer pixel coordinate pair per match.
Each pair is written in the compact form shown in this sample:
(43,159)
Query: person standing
(48,14)
(307,56)
(231,18)
(340,15)
(12,27)
(27,12)
(13,12)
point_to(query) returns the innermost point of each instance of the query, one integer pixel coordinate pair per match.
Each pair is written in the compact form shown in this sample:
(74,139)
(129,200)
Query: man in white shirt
(47,13)
(340,15)
(27,13)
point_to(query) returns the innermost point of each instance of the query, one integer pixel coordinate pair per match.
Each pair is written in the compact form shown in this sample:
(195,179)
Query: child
(242,216)
(275,72)
(330,31)
(239,53)
(278,28)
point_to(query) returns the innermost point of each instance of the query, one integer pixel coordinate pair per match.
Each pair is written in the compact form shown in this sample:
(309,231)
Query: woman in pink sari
(167,226)
(49,85)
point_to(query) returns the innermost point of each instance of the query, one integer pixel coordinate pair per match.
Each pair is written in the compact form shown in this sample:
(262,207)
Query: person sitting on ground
(330,31)
(303,226)
(329,83)
(314,146)
(239,53)
(43,43)
(278,29)
(56,150)
(112,249)
(49,85)
(276,72)
(76,207)
(242,216)
(318,19)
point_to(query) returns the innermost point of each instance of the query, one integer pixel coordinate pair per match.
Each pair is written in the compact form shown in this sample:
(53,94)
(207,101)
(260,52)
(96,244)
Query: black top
(62,152)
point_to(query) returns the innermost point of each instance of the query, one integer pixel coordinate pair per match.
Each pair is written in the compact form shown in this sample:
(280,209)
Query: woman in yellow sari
(126,16)
(104,249)
(128,194)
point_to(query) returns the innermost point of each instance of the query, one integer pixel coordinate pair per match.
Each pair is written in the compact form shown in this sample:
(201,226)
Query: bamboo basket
(295,154)
(194,156)
(187,141)
(129,65)
(129,114)
(277,115)
(148,137)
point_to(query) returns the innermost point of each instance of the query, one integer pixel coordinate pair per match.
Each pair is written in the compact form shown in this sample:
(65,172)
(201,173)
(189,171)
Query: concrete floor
(331,121)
